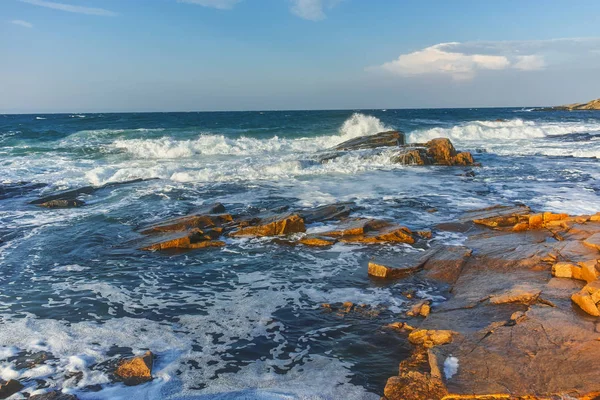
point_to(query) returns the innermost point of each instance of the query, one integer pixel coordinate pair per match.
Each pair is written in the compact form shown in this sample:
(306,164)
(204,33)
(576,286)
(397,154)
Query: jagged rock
(276,225)
(136,370)
(327,213)
(585,270)
(438,151)
(9,388)
(30,360)
(62,203)
(392,270)
(588,298)
(431,338)
(200,221)
(498,216)
(193,239)
(317,241)
(400,326)
(54,395)
(364,230)
(9,190)
(419,378)
(593,241)
(382,139)
(422,308)
(65,195)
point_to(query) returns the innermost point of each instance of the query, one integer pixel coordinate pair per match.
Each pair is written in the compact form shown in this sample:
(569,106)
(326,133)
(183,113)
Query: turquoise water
(244,321)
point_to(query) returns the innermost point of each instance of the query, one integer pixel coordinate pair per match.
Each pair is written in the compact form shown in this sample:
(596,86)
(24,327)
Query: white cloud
(20,22)
(463,61)
(312,10)
(439,60)
(219,4)
(71,8)
(530,63)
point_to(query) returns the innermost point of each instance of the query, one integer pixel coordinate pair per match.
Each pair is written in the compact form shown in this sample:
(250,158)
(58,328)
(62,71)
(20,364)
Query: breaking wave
(514,129)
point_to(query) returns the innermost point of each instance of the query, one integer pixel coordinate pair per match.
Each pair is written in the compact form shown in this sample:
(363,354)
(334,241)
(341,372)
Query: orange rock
(536,220)
(273,226)
(521,226)
(316,241)
(548,216)
(379,270)
(566,270)
(584,300)
(189,222)
(135,370)
(593,241)
(431,338)
(194,239)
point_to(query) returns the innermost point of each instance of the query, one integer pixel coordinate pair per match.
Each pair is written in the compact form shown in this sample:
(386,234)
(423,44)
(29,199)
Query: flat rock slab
(593,241)
(382,139)
(497,216)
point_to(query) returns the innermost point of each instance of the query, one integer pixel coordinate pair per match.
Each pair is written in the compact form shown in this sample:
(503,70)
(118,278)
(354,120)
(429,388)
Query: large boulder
(136,370)
(382,139)
(9,388)
(438,151)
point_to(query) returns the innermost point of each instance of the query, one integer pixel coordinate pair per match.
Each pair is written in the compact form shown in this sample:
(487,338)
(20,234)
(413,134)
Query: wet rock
(498,216)
(327,213)
(518,294)
(9,388)
(276,225)
(317,241)
(62,203)
(444,263)
(136,370)
(30,360)
(392,270)
(422,308)
(431,338)
(438,151)
(67,198)
(382,139)
(419,378)
(54,395)
(16,189)
(364,230)
(200,221)
(193,239)
(400,326)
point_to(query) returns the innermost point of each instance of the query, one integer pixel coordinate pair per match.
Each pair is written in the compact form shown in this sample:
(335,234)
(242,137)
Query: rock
(327,213)
(422,308)
(595,217)
(498,216)
(30,360)
(62,203)
(399,326)
(444,263)
(363,230)
(276,225)
(589,270)
(391,270)
(519,294)
(54,395)
(419,379)
(9,388)
(566,270)
(16,189)
(136,370)
(200,221)
(430,338)
(193,239)
(317,241)
(588,298)
(593,241)
(65,195)
(382,139)
(438,151)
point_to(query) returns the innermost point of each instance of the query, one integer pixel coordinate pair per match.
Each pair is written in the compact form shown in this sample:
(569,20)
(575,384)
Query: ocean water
(244,321)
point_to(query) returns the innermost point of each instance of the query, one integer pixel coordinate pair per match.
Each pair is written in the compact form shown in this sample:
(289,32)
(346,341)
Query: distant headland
(591,105)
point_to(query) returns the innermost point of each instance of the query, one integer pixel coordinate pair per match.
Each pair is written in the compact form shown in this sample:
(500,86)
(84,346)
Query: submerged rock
(54,395)
(365,230)
(317,241)
(9,388)
(382,139)
(136,370)
(62,203)
(67,198)
(388,269)
(327,212)
(192,239)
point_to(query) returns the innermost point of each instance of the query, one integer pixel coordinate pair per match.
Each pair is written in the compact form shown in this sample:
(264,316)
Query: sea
(245,321)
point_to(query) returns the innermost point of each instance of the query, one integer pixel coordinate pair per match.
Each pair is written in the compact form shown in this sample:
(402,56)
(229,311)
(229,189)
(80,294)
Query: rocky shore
(522,293)
(590,105)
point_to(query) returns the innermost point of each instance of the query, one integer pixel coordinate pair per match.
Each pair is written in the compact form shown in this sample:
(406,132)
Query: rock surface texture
(521,316)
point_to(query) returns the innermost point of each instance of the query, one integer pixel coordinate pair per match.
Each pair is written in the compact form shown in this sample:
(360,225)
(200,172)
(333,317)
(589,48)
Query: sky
(203,55)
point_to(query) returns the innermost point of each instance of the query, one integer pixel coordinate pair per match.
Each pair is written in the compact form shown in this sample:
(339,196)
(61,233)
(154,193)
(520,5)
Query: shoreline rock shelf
(521,318)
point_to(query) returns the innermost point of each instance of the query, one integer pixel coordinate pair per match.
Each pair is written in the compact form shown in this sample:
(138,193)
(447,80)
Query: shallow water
(244,321)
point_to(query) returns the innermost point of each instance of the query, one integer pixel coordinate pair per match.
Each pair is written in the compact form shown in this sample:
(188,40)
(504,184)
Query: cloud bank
(71,8)
(462,61)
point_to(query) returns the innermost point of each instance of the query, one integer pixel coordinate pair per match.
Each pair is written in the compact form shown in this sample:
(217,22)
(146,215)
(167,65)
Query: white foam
(450,367)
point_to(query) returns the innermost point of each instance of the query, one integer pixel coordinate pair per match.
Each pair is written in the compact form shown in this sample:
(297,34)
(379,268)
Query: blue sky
(169,55)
